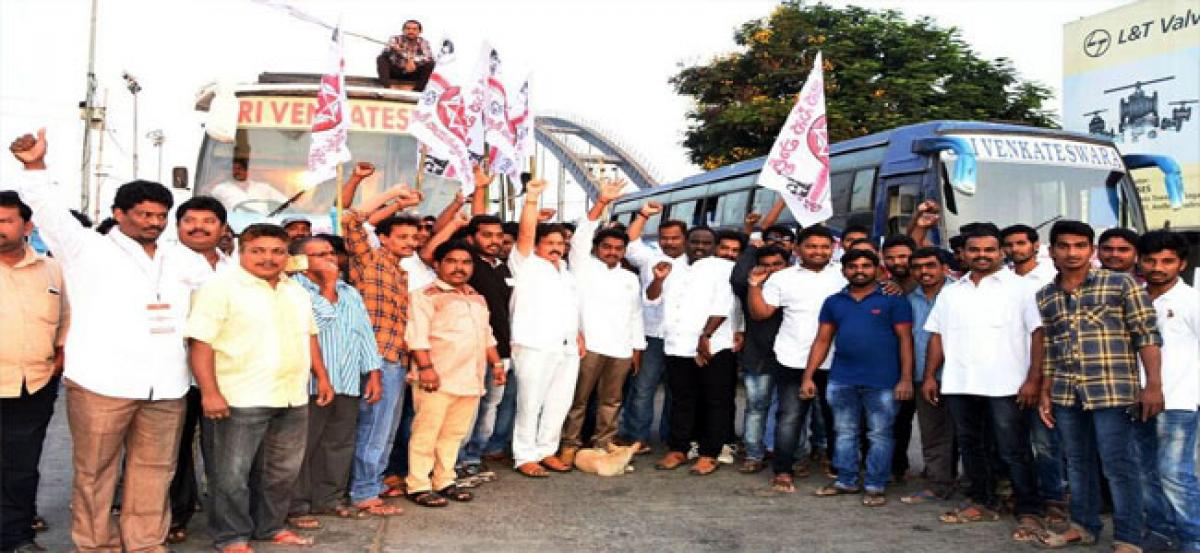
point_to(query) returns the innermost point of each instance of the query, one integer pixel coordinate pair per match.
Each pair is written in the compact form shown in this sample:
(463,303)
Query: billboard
(1132,74)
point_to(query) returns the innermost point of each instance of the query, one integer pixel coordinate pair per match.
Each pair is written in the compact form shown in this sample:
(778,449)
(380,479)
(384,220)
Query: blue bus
(1002,173)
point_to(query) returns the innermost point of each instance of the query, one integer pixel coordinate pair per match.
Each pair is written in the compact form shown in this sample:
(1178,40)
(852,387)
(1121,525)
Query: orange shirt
(452,325)
(35,318)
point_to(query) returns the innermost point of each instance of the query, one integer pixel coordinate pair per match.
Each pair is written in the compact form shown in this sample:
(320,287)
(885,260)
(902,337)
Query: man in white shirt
(1167,441)
(546,341)
(799,291)
(126,368)
(1020,246)
(244,195)
(610,312)
(200,222)
(637,417)
(983,326)
(701,317)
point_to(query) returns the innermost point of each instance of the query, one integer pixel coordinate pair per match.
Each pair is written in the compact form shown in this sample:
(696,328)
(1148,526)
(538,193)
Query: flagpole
(420,169)
(337,218)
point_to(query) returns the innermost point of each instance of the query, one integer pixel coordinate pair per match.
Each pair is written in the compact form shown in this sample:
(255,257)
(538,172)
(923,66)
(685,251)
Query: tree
(881,72)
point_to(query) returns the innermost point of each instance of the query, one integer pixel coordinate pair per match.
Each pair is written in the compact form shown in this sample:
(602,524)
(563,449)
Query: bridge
(588,153)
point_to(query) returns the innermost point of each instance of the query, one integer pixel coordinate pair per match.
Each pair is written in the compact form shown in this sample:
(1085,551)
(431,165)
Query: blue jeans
(1047,458)
(789,417)
(485,422)
(1170,491)
(1110,432)
(376,431)
(758,400)
(850,404)
(974,417)
(638,415)
(506,415)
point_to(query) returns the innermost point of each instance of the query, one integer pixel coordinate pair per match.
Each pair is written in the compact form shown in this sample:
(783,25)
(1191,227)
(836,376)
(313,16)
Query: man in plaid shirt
(407,62)
(1095,322)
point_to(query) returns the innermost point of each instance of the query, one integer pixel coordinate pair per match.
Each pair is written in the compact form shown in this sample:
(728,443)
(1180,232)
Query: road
(647,510)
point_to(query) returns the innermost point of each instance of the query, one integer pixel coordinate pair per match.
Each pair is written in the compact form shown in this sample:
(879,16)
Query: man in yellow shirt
(253,341)
(34,328)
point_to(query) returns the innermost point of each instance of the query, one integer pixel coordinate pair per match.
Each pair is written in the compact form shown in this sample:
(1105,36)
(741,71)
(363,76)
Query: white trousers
(545,390)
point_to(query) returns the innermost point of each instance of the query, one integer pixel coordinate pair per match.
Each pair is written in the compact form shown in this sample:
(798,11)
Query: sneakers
(726,456)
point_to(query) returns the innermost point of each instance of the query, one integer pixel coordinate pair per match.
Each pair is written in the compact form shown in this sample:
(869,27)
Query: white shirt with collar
(610,302)
(128,309)
(800,293)
(224,264)
(644,257)
(545,303)
(700,290)
(985,332)
(419,274)
(1178,315)
(1042,274)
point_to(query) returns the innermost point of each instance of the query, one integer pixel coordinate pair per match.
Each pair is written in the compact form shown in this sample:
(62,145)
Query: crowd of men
(327,375)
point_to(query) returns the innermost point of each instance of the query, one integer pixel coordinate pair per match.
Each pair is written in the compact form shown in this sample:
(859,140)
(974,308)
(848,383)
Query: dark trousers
(389,73)
(23,422)
(790,415)
(328,454)
(1010,425)
(694,390)
(937,445)
(185,492)
(902,434)
(261,450)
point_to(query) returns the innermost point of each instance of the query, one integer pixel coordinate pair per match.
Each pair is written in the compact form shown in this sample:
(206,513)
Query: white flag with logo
(330,127)
(798,165)
(440,124)
(514,141)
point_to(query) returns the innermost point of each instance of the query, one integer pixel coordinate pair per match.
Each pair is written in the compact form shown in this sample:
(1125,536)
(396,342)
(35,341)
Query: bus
(1002,173)
(264,166)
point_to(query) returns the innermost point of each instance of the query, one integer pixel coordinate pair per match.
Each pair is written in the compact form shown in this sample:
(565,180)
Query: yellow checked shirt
(260,336)
(33,321)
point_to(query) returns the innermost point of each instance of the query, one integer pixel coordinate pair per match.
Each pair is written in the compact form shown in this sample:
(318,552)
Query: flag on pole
(514,140)
(798,165)
(440,124)
(478,100)
(329,146)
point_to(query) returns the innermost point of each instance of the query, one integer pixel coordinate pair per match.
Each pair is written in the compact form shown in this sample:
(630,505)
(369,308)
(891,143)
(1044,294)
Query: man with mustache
(200,222)
(126,367)
(453,348)
(1167,442)
(253,343)
(985,346)
(894,254)
(1117,250)
(34,326)
(546,341)
(871,373)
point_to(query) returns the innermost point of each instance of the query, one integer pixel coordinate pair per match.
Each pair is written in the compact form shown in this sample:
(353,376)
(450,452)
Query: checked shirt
(383,285)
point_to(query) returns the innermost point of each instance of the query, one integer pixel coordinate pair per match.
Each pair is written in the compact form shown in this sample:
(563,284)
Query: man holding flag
(798,165)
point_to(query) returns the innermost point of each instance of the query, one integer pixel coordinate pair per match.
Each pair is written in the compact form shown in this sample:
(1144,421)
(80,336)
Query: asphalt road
(647,510)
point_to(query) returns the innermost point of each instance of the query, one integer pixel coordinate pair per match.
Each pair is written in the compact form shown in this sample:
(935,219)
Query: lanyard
(157,280)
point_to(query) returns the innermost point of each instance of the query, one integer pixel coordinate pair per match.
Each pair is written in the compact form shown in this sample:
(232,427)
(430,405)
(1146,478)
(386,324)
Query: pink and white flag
(514,140)
(440,124)
(330,128)
(798,165)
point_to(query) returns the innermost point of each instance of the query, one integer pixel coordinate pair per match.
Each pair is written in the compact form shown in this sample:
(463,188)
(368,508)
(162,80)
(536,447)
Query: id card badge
(159,319)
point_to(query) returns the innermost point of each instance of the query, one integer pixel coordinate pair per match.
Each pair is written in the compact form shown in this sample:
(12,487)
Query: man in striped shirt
(349,351)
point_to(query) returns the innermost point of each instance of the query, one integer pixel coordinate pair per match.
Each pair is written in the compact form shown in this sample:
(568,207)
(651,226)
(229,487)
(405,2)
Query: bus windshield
(1037,195)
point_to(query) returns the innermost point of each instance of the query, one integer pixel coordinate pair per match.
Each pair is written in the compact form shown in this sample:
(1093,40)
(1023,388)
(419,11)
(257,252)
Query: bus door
(897,201)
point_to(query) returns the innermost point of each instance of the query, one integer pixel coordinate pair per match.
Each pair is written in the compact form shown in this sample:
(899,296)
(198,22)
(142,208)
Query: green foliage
(881,72)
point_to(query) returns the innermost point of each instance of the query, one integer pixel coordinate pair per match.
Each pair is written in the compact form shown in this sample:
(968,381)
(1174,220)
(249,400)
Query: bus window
(902,202)
(840,188)
(764,198)
(731,208)
(683,211)
(860,192)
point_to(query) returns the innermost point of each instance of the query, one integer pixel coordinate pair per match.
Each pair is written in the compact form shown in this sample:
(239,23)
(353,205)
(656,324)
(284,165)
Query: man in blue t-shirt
(871,371)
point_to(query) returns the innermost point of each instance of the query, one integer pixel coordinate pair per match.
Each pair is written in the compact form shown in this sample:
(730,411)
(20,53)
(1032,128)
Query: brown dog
(612,462)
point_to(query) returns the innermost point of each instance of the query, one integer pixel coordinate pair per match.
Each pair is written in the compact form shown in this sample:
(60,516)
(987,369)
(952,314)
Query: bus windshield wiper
(1048,221)
(286,204)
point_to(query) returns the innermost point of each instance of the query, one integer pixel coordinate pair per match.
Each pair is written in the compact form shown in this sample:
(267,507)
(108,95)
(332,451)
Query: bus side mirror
(1173,177)
(964,177)
(179,178)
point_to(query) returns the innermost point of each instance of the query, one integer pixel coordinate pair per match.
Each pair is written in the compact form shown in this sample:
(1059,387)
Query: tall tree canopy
(881,71)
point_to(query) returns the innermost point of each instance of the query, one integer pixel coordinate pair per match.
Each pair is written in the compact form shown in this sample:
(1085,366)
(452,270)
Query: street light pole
(134,88)
(88,114)
(157,138)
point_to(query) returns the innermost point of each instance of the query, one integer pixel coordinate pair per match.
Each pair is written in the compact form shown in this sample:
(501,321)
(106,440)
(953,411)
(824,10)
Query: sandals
(874,499)
(428,499)
(968,514)
(834,489)
(176,535)
(1028,527)
(240,547)
(288,537)
(671,461)
(704,466)
(533,470)
(923,496)
(453,493)
(751,466)
(369,508)
(1059,540)
(301,522)
(555,464)
(782,483)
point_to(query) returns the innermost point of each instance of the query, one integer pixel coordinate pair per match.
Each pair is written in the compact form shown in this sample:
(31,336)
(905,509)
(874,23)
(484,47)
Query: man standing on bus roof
(407,62)
(638,415)
(244,195)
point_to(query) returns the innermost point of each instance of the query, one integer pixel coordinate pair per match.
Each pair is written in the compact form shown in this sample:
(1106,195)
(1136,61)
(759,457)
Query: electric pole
(90,118)
(134,87)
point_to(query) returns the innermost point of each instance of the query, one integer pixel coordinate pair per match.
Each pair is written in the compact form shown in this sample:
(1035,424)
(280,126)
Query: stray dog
(612,462)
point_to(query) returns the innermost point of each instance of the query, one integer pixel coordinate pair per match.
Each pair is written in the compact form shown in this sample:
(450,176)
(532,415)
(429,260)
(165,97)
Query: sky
(606,62)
